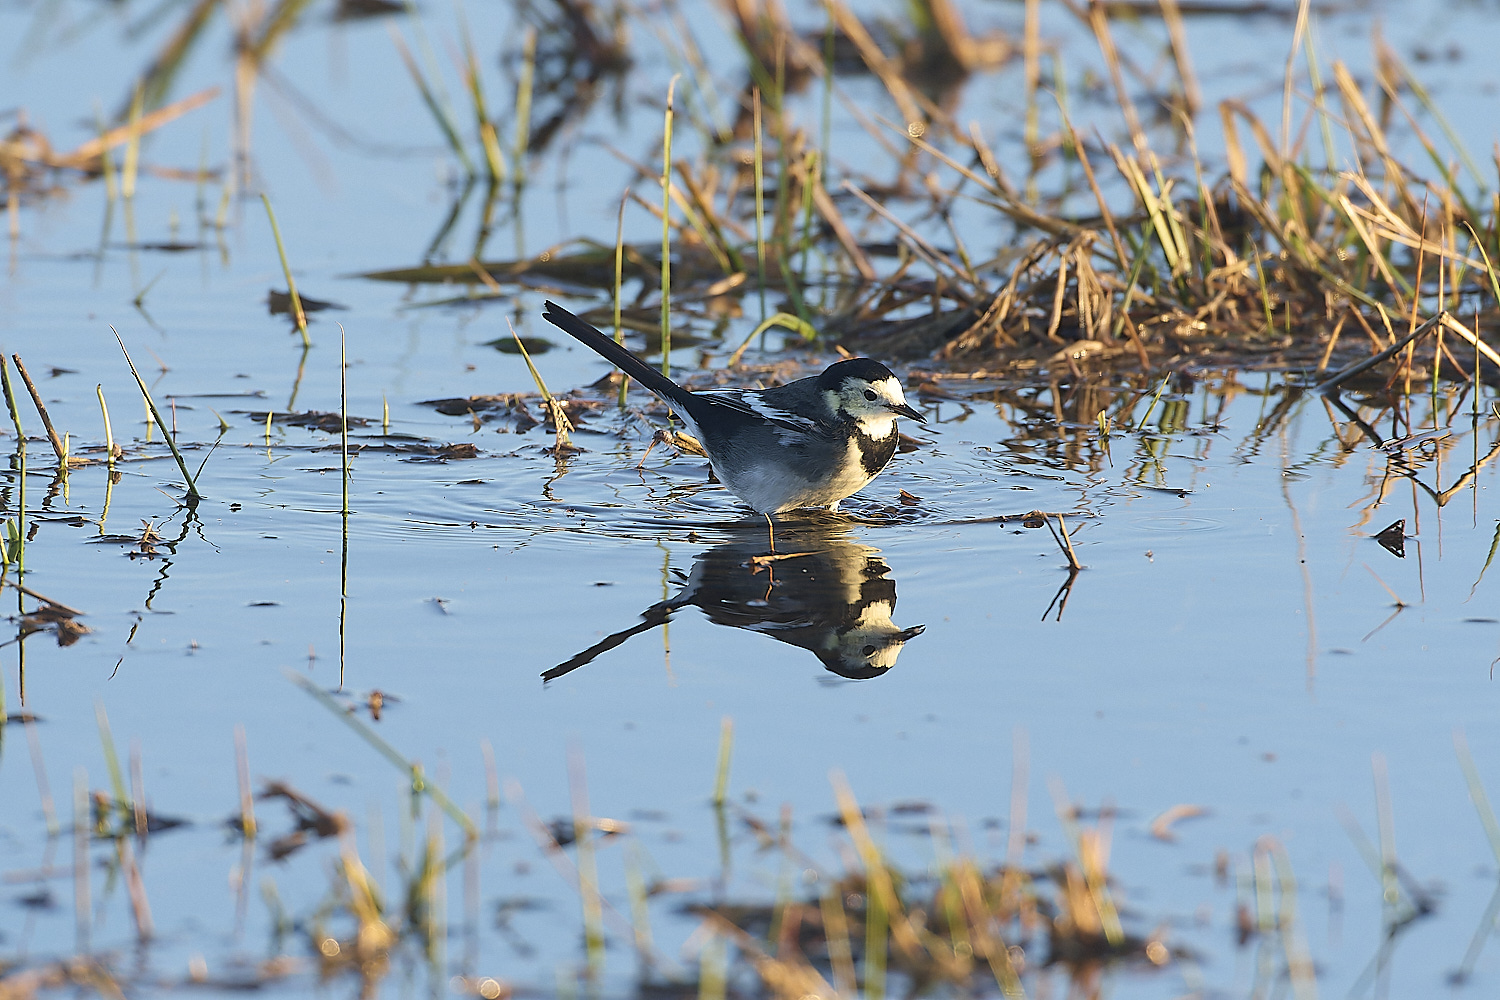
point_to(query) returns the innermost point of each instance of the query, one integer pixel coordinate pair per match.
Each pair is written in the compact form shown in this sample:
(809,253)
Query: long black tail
(628,363)
(657,614)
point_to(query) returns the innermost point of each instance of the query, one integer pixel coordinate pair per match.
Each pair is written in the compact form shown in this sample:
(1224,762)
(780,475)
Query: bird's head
(866,392)
(870,647)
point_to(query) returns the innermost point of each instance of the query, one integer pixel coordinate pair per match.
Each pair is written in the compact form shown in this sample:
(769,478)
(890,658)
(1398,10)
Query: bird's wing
(752,402)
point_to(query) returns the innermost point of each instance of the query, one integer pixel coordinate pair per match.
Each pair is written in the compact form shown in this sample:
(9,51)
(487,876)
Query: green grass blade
(420,784)
(777,319)
(435,106)
(193,496)
(666,236)
(299,315)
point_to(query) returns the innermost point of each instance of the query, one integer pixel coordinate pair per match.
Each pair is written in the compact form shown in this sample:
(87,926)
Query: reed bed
(1309,241)
(1307,245)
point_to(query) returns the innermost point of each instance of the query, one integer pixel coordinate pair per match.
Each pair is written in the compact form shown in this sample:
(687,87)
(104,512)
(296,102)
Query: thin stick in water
(491,786)
(344,413)
(588,875)
(760,203)
(620,281)
(1065,543)
(1344,374)
(419,783)
(109,434)
(523,105)
(299,316)
(726,745)
(193,496)
(242,774)
(138,791)
(43,786)
(16,549)
(666,234)
(549,402)
(135,887)
(81,903)
(36,397)
(132,147)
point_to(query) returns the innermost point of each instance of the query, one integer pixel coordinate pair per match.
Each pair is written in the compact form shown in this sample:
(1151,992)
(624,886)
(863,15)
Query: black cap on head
(861,368)
(853,667)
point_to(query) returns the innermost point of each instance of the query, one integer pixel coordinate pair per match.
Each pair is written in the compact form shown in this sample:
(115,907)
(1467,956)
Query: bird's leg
(770,566)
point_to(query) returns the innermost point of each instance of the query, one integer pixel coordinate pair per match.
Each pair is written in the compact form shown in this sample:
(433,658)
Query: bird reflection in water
(821,591)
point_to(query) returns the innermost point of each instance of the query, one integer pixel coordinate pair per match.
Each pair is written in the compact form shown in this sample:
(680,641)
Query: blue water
(1224,646)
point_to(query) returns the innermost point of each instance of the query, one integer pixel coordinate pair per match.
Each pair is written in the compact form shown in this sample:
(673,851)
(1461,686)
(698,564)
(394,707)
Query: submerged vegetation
(870,926)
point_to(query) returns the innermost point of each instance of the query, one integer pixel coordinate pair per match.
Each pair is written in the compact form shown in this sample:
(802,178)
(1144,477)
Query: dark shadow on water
(821,590)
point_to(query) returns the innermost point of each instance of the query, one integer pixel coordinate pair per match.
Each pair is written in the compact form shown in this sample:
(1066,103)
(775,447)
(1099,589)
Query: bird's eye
(867,651)
(870,395)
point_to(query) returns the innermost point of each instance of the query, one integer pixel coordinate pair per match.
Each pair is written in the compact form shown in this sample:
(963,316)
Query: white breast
(878,426)
(770,487)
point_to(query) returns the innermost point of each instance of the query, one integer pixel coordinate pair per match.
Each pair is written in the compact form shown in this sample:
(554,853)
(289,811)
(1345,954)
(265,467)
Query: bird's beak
(907,411)
(908,634)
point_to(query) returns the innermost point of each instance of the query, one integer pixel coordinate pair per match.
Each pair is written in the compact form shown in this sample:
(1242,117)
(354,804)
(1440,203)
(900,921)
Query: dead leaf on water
(309,816)
(311,419)
(533,345)
(446,453)
(280,303)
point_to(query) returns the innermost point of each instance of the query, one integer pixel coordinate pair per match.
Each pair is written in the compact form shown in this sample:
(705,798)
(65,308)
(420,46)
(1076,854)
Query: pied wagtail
(809,443)
(836,601)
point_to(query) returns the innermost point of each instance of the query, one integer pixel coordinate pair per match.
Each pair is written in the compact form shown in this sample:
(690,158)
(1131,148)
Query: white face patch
(874,642)
(859,398)
(869,404)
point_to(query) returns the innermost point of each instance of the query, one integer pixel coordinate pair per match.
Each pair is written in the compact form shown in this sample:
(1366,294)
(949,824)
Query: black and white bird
(835,601)
(807,444)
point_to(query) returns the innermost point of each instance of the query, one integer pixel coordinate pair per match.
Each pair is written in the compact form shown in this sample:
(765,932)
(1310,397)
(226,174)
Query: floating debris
(1392,538)
(280,303)
(311,419)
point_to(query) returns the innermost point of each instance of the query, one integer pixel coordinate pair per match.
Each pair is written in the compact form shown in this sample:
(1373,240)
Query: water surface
(1238,640)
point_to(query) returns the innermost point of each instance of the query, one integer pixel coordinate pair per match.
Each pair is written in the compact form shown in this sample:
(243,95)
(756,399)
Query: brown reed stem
(41,408)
